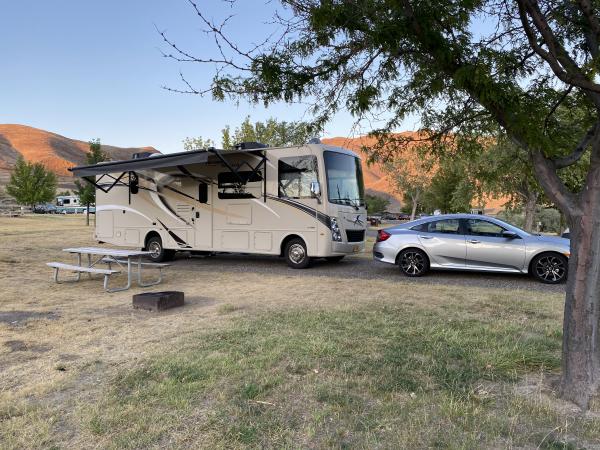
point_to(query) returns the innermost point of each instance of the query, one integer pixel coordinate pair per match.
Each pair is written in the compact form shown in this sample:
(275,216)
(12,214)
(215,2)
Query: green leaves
(31,183)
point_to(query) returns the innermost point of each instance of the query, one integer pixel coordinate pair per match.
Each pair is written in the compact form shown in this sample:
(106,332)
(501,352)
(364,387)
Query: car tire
(158,252)
(550,268)
(335,258)
(413,262)
(296,255)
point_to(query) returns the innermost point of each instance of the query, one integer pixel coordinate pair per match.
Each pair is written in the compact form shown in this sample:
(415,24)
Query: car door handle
(474,241)
(426,237)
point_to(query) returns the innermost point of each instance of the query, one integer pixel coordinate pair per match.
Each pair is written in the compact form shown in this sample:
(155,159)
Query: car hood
(556,240)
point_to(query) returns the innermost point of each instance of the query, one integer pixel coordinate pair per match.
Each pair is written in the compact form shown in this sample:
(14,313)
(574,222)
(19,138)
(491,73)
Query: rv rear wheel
(296,255)
(157,252)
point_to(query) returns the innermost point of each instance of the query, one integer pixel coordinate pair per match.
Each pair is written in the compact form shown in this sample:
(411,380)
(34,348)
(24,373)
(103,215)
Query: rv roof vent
(141,155)
(249,145)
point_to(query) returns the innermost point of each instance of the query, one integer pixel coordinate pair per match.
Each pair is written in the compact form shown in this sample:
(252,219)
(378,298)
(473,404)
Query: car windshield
(344,179)
(513,227)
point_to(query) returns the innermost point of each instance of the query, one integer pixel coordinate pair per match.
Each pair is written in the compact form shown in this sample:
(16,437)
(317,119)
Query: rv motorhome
(299,202)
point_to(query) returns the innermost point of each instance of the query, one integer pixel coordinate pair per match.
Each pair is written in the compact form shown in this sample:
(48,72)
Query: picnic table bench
(124,258)
(80,269)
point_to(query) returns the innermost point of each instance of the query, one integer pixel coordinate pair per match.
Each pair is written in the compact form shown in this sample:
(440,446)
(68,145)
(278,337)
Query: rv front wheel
(157,252)
(296,255)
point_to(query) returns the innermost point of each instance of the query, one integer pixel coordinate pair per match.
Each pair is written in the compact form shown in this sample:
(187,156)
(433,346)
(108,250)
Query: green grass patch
(371,376)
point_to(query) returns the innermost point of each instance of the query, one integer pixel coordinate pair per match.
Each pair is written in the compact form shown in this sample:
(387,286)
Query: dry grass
(377,363)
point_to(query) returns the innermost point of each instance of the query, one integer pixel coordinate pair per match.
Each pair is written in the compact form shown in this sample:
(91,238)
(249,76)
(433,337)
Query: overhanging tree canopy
(467,67)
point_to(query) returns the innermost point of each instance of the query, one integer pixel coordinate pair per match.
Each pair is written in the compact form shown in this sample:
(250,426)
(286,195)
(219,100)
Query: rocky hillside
(53,150)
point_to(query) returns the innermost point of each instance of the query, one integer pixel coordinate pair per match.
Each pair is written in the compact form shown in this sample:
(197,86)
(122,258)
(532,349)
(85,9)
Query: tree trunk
(581,336)
(580,378)
(415,203)
(530,206)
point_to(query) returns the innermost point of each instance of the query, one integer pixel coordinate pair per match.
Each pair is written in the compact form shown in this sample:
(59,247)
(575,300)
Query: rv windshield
(344,179)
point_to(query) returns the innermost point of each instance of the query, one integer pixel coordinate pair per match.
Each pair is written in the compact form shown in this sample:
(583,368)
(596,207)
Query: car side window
(447,226)
(477,227)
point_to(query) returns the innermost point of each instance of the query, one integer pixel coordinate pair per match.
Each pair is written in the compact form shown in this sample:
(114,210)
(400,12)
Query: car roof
(456,216)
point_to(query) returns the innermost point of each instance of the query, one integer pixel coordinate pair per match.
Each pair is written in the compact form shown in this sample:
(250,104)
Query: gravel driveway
(355,267)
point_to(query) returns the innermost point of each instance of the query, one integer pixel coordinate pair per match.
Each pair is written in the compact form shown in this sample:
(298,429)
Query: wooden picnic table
(120,257)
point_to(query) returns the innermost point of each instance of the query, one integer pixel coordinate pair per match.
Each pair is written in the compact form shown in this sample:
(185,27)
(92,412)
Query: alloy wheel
(412,263)
(551,269)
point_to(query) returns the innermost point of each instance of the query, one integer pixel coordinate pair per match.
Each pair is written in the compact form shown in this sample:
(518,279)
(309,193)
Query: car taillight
(382,235)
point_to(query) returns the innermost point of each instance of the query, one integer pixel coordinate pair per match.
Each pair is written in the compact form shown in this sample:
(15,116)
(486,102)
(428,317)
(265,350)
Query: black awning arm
(96,184)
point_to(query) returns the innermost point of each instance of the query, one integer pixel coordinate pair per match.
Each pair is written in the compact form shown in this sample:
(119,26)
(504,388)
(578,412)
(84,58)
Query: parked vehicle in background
(68,200)
(403,216)
(472,242)
(374,220)
(44,208)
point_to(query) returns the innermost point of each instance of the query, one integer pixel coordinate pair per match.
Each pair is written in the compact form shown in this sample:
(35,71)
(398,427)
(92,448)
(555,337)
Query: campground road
(355,267)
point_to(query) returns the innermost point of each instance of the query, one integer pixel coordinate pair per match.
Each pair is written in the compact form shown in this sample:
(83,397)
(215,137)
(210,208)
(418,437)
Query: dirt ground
(60,342)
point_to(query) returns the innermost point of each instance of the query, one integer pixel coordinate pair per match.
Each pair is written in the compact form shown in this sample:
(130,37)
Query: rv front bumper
(347,247)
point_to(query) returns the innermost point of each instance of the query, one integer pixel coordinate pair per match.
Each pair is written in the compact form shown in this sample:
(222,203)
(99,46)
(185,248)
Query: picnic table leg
(142,284)
(78,277)
(89,265)
(128,280)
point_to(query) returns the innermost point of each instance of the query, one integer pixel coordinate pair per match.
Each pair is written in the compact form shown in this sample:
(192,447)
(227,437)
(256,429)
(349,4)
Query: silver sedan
(472,242)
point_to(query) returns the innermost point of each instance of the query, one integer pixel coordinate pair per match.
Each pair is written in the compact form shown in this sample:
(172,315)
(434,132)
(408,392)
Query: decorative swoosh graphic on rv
(175,237)
(121,207)
(321,217)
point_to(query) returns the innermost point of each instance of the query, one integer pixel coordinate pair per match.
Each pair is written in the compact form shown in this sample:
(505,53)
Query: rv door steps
(79,269)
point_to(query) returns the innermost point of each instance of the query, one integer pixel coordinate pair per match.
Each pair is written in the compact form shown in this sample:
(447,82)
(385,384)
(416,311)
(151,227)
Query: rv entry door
(202,215)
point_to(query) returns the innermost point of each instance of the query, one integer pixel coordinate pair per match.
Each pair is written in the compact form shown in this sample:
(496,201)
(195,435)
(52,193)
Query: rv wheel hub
(297,253)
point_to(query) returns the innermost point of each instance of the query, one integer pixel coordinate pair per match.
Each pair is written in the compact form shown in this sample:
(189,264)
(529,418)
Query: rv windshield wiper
(351,201)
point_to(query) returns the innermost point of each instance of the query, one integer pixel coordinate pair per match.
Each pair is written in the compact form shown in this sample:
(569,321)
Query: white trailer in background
(299,202)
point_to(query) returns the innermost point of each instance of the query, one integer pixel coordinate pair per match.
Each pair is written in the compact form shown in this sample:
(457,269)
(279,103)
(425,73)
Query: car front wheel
(413,262)
(550,268)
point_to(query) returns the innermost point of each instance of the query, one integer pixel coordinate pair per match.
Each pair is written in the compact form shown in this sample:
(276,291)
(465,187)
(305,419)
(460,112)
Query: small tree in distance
(85,191)
(410,172)
(197,143)
(376,204)
(31,183)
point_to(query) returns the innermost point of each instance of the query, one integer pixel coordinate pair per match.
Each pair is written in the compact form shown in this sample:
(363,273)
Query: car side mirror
(315,189)
(509,234)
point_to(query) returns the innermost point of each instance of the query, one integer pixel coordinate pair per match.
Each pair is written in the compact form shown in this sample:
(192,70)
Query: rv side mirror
(315,188)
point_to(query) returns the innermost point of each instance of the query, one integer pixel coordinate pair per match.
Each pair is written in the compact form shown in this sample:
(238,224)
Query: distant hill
(56,152)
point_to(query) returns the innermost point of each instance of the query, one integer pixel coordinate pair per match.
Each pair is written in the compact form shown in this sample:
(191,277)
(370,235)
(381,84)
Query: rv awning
(151,162)
(108,172)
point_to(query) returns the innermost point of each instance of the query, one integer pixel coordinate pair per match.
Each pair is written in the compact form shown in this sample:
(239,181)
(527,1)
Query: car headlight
(336,234)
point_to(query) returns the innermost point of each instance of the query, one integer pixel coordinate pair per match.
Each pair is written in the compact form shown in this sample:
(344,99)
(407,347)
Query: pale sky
(92,69)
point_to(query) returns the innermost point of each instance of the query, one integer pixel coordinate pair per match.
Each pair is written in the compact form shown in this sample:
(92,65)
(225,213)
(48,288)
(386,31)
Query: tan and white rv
(299,202)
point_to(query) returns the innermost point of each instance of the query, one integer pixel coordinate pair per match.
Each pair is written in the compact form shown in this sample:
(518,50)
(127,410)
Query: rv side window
(230,185)
(295,175)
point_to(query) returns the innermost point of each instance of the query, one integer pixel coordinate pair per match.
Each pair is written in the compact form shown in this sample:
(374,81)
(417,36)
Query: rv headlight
(336,234)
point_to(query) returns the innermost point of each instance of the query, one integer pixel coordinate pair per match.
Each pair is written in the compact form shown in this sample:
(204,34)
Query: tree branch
(579,151)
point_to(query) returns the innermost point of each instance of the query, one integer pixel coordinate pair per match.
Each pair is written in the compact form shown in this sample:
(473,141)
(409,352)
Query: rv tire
(159,253)
(296,255)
